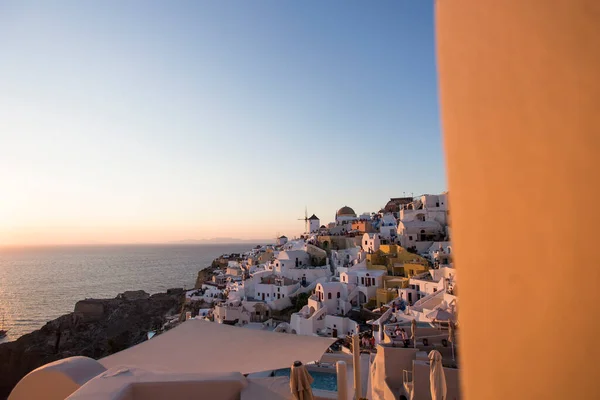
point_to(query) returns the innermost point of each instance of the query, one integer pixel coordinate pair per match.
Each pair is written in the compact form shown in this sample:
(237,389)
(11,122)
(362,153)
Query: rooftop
(346,212)
(273,279)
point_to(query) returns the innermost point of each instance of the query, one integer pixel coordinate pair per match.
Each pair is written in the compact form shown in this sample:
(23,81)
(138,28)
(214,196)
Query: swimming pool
(322,380)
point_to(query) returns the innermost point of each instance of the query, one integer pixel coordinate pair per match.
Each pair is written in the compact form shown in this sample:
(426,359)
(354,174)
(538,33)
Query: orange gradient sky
(197,120)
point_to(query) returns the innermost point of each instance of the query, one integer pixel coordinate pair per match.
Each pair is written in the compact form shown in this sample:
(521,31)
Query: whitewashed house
(362,284)
(333,296)
(324,313)
(307,322)
(419,234)
(388,227)
(428,283)
(370,242)
(228,312)
(273,287)
(440,254)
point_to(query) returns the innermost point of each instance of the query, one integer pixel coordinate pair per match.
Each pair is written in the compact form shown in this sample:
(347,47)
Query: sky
(157,121)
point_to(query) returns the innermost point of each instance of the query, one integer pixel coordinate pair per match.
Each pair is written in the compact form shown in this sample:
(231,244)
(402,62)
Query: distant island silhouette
(221,240)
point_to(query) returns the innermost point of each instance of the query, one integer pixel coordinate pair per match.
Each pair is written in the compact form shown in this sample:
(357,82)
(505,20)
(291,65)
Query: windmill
(305,219)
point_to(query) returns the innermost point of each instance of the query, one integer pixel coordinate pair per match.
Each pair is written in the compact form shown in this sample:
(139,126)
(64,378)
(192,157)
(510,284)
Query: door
(263,296)
(409,297)
(334,334)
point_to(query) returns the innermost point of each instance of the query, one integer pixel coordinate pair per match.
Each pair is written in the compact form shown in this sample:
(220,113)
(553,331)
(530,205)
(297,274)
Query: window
(329,296)
(283,295)
(366,242)
(437,204)
(338,295)
(362,280)
(410,238)
(279,289)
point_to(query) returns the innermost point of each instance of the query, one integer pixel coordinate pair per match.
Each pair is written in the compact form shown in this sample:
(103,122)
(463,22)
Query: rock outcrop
(207,273)
(96,328)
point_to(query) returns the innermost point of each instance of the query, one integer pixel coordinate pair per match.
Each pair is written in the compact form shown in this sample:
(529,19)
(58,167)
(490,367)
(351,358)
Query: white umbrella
(437,378)
(300,381)
(441,315)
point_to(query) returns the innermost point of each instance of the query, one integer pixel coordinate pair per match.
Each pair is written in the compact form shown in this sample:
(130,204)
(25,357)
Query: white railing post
(342,380)
(356,361)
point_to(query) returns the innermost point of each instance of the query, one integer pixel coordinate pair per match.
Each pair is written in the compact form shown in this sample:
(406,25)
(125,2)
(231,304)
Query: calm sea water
(38,284)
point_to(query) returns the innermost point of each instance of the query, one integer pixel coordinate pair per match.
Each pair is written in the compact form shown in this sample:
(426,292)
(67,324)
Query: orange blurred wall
(520,101)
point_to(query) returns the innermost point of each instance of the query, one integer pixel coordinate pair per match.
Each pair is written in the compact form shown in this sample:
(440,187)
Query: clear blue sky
(132,121)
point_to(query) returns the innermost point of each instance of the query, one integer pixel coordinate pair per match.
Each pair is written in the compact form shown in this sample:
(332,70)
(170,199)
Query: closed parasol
(300,381)
(437,377)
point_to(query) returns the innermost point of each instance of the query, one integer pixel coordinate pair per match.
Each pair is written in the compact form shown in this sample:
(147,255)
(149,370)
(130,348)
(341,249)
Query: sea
(38,284)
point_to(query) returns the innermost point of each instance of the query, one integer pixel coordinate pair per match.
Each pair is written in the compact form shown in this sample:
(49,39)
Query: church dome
(392,206)
(346,212)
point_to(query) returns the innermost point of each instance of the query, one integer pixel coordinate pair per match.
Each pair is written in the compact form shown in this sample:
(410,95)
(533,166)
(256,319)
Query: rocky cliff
(207,273)
(96,328)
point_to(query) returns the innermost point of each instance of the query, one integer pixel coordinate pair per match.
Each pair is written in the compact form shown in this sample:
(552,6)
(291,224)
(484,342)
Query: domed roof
(346,211)
(392,206)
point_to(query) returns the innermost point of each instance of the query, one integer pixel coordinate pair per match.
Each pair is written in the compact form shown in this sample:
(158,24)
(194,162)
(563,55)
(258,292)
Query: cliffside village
(363,307)
(368,274)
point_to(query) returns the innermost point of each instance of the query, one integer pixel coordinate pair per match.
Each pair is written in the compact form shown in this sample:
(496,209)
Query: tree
(300,301)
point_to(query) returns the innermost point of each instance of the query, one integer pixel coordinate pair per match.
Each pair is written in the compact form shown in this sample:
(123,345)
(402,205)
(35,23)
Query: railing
(407,376)
(407,382)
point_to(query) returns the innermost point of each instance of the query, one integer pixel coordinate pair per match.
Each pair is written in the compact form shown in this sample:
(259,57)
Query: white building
(310,323)
(228,312)
(241,312)
(296,265)
(207,293)
(281,240)
(324,313)
(388,227)
(427,208)
(362,284)
(419,233)
(291,259)
(345,215)
(428,283)
(341,260)
(370,242)
(333,296)
(440,254)
(272,288)
(313,224)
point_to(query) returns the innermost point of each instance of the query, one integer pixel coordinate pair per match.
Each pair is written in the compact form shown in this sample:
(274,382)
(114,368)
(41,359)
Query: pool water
(321,380)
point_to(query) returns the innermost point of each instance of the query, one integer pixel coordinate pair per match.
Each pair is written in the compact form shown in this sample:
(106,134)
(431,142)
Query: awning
(441,315)
(198,346)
